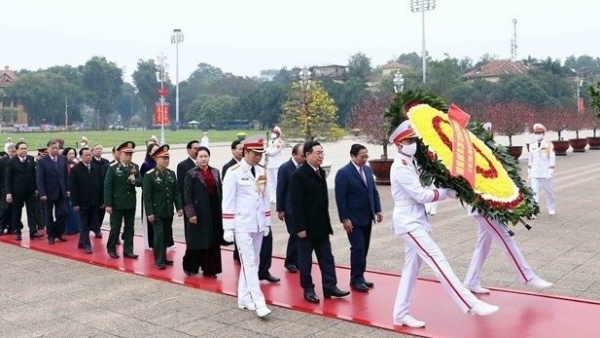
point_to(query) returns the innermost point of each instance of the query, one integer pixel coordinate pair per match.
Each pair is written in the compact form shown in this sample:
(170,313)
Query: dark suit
(310,207)
(103,165)
(21,185)
(236,254)
(52,183)
(359,203)
(228,165)
(87,193)
(284,203)
(5,208)
(182,168)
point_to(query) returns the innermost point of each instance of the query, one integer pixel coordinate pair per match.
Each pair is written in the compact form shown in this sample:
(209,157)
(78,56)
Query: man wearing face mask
(540,167)
(411,224)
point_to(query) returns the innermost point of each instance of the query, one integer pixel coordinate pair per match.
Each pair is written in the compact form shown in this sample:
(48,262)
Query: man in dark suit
(310,207)
(284,204)
(53,191)
(184,166)
(103,164)
(87,195)
(6,209)
(21,189)
(358,206)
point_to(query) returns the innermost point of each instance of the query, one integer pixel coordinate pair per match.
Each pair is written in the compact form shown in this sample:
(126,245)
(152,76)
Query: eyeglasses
(319,153)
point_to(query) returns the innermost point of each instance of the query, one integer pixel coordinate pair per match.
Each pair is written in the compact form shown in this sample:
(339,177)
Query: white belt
(405,203)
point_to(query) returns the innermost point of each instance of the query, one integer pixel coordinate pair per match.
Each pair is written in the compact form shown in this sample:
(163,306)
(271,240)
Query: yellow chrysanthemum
(492,182)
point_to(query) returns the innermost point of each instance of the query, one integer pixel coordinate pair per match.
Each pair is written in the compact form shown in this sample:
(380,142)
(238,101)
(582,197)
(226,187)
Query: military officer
(541,166)
(411,224)
(119,199)
(161,193)
(247,217)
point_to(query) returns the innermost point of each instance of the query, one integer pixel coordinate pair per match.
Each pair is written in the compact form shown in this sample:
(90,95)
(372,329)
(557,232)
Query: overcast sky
(246,36)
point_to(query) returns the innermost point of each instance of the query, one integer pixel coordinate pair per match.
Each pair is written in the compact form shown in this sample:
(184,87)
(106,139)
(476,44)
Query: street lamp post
(177,38)
(398,82)
(160,77)
(305,83)
(423,6)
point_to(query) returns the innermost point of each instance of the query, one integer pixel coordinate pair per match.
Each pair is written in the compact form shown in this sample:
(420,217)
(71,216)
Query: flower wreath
(495,196)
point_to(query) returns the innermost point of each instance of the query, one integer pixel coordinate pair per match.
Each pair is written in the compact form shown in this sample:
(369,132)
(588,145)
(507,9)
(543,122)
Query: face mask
(409,149)
(539,137)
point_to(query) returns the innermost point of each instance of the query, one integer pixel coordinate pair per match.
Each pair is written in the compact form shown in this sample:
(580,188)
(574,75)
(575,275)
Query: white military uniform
(410,222)
(487,230)
(246,211)
(275,153)
(541,168)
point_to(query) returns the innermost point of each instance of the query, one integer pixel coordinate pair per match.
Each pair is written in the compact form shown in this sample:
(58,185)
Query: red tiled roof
(394,65)
(497,68)
(7,76)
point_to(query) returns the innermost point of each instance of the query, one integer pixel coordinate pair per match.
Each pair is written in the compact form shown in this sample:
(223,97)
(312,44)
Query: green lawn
(112,138)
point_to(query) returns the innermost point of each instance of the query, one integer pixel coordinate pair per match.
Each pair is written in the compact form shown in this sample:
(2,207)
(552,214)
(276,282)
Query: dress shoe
(161,266)
(311,297)
(51,241)
(113,254)
(539,284)
(169,262)
(79,246)
(248,306)
(88,251)
(409,321)
(478,289)
(35,235)
(270,278)
(291,268)
(209,275)
(62,238)
(369,284)
(130,255)
(187,273)
(262,311)
(18,237)
(98,234)
(360,287)
(482,308)
(335,292)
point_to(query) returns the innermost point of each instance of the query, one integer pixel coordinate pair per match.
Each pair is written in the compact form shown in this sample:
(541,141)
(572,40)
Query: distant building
(493,70)
(11,112)
(392,67)
(337,73)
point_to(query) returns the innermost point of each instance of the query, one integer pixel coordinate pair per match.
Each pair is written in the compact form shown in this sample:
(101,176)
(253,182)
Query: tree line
(97,96)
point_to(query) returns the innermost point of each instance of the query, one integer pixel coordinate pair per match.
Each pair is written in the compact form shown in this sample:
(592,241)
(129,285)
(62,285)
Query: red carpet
(521,314)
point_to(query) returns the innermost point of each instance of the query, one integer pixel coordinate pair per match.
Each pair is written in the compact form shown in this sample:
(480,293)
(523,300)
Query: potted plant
(510,119)
(369,116)
(555,120)
(594,122)
(576,122)
(241,136)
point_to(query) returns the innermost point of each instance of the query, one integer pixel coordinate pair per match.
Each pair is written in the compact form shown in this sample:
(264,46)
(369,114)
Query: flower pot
(241,137)
(381,170)
(561,147)
(515,151)
(594,143)
(578,144)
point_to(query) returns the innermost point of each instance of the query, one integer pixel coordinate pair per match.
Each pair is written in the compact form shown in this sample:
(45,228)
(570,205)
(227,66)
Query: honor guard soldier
(161,193)
(540,166)
(247,217)
(120,200)
(411,224)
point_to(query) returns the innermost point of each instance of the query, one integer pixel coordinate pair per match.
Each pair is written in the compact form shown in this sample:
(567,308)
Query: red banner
(580,105)
(163,91)
(161,114)
(463,152)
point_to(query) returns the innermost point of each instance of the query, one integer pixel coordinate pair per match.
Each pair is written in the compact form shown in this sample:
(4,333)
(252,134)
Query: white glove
(550,173)
(228,236)
(267,231)
(452,194)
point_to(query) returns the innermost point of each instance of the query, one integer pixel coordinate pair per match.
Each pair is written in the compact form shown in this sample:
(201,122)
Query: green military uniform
(120,195)
(161,193)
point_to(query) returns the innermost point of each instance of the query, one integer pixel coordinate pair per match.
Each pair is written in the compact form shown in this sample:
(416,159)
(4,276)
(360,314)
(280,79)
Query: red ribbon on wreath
(463,151)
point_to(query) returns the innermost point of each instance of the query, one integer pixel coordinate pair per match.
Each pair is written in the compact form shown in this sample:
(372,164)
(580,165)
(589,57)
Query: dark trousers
(87,221)
(291,253)
(38,213)
(55,228)
(359,239)
(161,240)
(118,217)
(99,220)
(266,255)
(17,207)
(322,249)
(6,216)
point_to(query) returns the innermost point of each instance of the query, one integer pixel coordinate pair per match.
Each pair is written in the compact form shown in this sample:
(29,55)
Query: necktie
(54,159)
(539,145)
(318,172)
(22,159)
(88,167)
(253,172)
(362,175)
